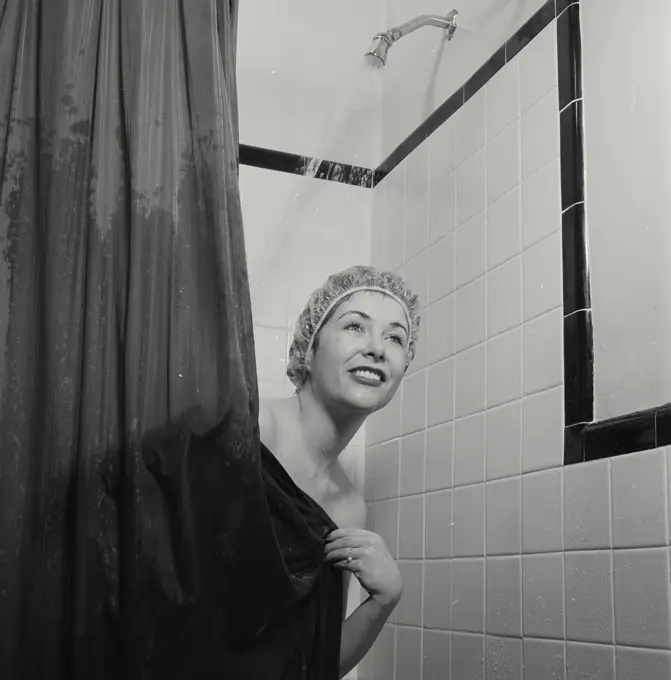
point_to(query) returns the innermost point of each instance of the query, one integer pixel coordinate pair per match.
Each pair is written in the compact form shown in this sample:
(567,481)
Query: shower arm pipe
(446,23)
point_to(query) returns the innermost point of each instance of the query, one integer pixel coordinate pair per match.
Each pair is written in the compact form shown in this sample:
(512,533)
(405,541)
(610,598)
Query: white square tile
(410,516)
(504,440)
(596,662)
(471,250)
(589,596)
(440,393)
(439,524)
(504,238)
(542,275)
(542,523)
(395,182)
(413,454)
(468,656)
(543,352)
(270,348)
(504,596)
(388,470)
(468,595)
(541,204)
(470,127)
(504,658)
(639,488)
(503,99)
(503,162)
(414,403)
(587,506)
(409,609)
(441,275)
(504,297)
(540,134)
(544,659)
(538,67)
(270,300)
(416,227)
(643,664)
(389,418)
(442,152)
(543,430)
(471,314)
(417,173)
(471,187)
(504,368)
(437,659)
(543,595)
(437,594)
(414,274)
(440,329)
(439,457)
(387,524)
(469,520)
(470,381)
(469,449)
(504,518)
(443,208)
(408,652)
(389,239)
(642,597)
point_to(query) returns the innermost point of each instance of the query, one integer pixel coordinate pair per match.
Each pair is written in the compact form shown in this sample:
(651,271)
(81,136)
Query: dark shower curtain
(124,307)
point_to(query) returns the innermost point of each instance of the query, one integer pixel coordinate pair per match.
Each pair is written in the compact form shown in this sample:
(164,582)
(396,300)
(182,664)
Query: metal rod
(419,22)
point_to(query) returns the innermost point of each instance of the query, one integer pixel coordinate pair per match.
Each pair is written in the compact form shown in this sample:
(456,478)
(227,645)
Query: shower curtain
(124,308)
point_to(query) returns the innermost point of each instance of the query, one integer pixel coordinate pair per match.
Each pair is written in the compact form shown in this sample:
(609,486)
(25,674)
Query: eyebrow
(363,315)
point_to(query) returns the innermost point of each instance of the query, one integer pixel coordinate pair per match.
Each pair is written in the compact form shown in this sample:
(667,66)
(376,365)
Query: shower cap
(325,299)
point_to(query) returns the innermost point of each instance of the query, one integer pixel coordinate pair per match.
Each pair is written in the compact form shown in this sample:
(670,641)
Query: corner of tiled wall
(524,568)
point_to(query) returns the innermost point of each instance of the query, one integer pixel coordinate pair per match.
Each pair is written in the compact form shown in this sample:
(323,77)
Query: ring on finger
(349,556)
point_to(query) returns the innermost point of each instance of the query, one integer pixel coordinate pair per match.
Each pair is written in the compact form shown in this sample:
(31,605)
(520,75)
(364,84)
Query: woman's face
(361,352)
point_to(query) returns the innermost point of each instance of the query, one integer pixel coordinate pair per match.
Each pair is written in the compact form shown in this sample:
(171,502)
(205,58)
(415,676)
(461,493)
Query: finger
(347,542)
(352,566)
(341,554)
(343,533)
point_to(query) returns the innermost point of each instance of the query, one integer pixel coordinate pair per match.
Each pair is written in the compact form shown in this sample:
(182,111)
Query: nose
(375,347)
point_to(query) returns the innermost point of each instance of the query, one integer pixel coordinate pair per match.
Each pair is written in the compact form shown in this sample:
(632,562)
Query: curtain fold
(124,304)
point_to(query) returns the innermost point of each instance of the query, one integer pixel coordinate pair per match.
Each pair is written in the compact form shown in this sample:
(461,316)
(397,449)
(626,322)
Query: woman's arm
(360,630)
(379,577)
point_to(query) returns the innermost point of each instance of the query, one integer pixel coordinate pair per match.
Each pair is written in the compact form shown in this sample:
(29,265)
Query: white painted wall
(627,84)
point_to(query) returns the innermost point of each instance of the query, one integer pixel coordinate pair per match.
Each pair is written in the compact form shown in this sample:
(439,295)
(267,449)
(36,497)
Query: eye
(398,339)
(354,324)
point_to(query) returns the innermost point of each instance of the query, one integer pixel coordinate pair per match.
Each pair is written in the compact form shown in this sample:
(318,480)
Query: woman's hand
(370,562)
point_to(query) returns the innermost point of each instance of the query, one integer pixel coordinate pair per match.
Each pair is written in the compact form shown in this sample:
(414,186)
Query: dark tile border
(291,163)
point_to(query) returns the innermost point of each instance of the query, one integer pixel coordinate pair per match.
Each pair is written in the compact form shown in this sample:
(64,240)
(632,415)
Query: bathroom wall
(628,144)
(302,83)
(514,566)
(422,71)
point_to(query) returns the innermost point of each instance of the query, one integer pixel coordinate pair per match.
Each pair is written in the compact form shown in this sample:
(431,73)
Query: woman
(246,558)
(352,347)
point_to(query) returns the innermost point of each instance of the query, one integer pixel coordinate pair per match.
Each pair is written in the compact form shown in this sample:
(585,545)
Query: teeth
(367,374)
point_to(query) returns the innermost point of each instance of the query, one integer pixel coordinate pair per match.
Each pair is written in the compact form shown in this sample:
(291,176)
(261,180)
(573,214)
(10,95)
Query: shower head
(377,54)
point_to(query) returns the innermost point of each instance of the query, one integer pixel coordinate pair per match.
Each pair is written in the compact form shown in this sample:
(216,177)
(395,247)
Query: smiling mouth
(372,374)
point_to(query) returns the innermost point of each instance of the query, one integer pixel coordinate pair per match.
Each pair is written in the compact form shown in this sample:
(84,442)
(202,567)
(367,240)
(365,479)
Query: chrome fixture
(377,55)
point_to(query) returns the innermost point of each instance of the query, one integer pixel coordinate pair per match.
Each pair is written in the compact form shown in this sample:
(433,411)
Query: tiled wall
(514,566)
(423,71)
